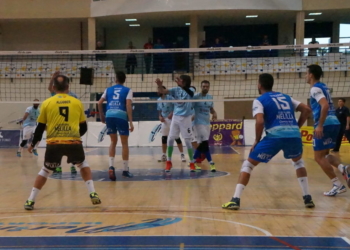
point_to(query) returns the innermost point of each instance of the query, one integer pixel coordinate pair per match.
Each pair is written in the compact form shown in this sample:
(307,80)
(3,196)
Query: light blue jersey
(202,109)
(317,92)
(165,107)
(32,117)
(116,97)
(279,118)
(181,108)
(70,93)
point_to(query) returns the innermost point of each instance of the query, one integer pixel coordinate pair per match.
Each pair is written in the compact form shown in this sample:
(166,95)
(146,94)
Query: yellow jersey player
(64,119)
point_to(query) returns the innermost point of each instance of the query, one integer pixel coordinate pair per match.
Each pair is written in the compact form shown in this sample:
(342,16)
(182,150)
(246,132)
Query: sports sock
(111,161)
(238,191)
(303,182)
(33,194)
(90,186)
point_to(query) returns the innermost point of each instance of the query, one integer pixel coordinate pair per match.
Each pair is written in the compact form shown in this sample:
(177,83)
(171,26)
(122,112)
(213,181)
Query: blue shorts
(115,125)
(268,147)
(330,133)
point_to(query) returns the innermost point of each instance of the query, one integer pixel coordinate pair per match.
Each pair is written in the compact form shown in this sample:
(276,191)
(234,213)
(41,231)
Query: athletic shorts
(330,134)
(28,131)
(54,153)
(115,125)
(181,124)
(194,134)
(268,147)
(202,132)
(166,127)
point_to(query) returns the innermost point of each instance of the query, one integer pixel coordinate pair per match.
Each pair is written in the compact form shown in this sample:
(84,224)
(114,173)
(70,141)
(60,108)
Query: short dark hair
(187,80)
(342,99)
(120,76)
(205,81)
(316,71)
(266,81)
(61,82)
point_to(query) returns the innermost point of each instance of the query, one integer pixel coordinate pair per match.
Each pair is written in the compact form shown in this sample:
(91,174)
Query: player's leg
(123,130)
(203,133)
(173,134)
(75,155)
(25,137)
(321,150)
(186,132)
(53,156)
(165,134)
(112,132)
(263,152)
(339,139)
(344,169)
(181,149)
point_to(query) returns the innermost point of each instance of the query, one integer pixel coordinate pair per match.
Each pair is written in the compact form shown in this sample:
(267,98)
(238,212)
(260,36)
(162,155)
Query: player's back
(62,114)
(116,97)
(318,91)
(279,117)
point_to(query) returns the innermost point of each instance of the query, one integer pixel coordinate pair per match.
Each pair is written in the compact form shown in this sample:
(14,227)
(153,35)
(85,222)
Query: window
(320,40)
(344,34)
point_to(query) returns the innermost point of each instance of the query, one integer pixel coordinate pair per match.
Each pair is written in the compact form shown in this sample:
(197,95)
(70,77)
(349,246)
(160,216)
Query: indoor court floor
(180,210)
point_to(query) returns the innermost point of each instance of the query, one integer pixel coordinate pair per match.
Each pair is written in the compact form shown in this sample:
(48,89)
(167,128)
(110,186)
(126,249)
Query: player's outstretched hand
(131,127)
(159,82)
(30,149)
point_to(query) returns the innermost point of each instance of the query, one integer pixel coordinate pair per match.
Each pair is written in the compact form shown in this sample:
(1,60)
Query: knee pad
(23,143)
(82,165)
(247,167)
(188,143)
(164,139)
(178,141)
(298,164)
(44,172)
(205,146)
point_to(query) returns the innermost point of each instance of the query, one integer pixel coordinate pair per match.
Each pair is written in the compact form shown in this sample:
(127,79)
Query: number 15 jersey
(62,114)
(279,117)
(116,97)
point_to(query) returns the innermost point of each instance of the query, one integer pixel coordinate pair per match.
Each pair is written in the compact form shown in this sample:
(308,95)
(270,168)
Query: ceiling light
(188,24)
(251,16)
(315,14)
(131,20)
(309,20)
(134,25)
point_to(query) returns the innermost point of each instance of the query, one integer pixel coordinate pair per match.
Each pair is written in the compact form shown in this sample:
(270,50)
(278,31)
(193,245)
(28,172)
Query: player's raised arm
(50,87)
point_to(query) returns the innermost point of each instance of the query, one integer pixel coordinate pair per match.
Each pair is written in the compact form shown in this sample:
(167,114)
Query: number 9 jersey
(116,97)
(62,115)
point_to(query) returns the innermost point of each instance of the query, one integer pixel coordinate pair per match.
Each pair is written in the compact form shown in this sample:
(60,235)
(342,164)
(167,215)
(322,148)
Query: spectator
(99,46)
(158,58)
(343,116)
(202,55)
(266,41)
(148,56)
(217,43)
(131,61)
(313,51)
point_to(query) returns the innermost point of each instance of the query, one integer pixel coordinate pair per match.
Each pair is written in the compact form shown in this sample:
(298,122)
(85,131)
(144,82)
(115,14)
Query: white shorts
(202,133)
(166,127)
(28,131)
(194,134)
(181,124)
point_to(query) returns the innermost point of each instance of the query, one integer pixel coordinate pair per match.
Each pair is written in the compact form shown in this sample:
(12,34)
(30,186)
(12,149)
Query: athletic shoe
(183,159)
(335,190)
(57,170)
(35,152)
(198,168)
(192,167)
(73,170)
(19,154)
(29,205)
(308,201)
(234,204)
(127,174)
(346,174)
(168,167)
(212,167)
(94,198)
(163,159)
(111,172)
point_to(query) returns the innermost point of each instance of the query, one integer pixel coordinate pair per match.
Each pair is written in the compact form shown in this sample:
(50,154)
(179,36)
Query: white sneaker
(346,174)
(183,159)
(335,190)
(163,158)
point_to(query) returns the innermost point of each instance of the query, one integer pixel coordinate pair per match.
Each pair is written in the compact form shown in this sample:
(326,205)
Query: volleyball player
(29,125)
(326,129)
(118,118)
(202,111)
(165,112)
(65,122)
(275,112)
(182,118)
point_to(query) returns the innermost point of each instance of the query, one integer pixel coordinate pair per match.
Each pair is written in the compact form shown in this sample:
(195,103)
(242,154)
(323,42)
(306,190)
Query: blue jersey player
(274,111)
(118,118)
(326,129)
(182,117)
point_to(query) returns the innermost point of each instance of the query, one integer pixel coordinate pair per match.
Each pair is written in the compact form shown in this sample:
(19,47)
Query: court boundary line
(346,240)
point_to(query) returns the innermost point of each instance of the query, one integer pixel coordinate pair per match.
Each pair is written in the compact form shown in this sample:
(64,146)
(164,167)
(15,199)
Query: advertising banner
(307,134)
(9,138)
(227,133)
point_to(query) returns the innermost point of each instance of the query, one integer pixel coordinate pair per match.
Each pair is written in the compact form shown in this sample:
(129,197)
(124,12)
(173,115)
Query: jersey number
(64,111)
(281,103)
(116,94)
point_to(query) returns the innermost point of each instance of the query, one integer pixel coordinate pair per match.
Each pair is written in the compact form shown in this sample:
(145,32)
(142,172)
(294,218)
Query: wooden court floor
(271,205)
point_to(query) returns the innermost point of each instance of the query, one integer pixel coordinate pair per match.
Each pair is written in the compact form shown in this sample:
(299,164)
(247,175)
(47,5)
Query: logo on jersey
(327,141)
(264,156)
